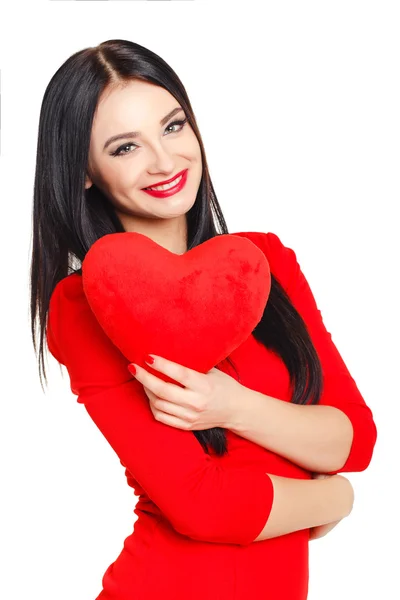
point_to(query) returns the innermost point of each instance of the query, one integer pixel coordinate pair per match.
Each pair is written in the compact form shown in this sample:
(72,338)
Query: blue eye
(118,151)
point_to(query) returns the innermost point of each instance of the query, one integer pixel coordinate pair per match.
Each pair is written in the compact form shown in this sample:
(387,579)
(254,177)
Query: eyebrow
(131,134)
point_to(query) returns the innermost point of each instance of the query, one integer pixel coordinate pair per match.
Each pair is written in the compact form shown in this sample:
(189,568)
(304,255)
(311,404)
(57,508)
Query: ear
(88,182)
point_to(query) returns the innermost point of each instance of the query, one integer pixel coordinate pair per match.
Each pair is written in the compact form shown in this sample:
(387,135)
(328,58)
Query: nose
(160,159)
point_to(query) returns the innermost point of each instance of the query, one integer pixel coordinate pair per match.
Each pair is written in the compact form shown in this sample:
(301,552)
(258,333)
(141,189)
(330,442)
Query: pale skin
(300,433)
(321,530)
(157,154)
(214,399)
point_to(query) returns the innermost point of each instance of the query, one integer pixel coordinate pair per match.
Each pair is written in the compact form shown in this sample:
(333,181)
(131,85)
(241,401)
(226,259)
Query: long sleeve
(339,387)
(201,498)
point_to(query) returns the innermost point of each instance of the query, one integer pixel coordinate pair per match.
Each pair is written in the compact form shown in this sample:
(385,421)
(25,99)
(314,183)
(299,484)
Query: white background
(298,104)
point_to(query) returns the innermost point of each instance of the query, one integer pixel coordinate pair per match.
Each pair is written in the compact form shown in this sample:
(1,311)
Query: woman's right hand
(348,491)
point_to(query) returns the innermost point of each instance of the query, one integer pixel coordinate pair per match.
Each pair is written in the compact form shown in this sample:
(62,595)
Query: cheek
(118,173)
(190,145)
(192,150)
(197,155)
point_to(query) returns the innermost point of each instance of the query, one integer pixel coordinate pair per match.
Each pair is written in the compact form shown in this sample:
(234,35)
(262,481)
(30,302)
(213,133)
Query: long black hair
(67,219)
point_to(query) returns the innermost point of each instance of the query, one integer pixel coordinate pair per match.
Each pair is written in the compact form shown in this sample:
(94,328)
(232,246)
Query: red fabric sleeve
(200,498)
(340,389)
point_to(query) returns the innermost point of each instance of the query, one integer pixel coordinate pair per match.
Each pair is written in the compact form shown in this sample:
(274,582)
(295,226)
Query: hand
(205,401)
(321,530)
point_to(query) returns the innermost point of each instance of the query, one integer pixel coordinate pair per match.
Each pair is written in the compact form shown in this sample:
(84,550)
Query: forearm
(315,437)
(301,504)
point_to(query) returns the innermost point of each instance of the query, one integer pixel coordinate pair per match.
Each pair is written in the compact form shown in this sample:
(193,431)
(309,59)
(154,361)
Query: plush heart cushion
(193,309)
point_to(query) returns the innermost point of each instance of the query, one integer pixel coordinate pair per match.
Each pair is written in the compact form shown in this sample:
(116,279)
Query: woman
(116,121)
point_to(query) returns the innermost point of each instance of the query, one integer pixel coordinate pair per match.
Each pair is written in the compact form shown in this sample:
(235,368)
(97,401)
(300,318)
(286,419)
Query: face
(121,168)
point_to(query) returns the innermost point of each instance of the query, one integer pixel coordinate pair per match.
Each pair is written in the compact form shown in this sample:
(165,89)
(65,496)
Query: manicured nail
(132,369)
(149,359)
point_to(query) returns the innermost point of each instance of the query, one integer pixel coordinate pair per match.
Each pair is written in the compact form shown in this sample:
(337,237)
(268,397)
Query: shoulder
(67,305)
(282,259)
(67,298)
(68,288)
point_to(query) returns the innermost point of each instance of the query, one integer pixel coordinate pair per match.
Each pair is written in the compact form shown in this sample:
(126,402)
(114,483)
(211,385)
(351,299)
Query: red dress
(198,514)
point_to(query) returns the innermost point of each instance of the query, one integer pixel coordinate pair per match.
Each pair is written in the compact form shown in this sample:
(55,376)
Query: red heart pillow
(193,309)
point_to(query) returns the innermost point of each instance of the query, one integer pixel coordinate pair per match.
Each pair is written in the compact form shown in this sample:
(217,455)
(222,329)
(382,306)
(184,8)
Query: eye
(119,151)
(180,123)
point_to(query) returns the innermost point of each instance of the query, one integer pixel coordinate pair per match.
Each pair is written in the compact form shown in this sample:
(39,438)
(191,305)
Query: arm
(300,504)
(315,437)
(321,530)
(339,433)
(202,499)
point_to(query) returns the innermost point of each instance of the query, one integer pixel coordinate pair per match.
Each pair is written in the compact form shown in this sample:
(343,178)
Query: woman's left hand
(319,531)
(206,400)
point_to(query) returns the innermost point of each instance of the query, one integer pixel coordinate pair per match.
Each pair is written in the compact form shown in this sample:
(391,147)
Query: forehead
(133,104)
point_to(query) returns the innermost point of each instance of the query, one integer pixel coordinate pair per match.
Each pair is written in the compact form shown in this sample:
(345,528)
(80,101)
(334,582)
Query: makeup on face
(172,186)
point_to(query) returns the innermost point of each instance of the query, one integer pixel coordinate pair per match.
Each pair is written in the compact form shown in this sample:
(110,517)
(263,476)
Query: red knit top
(198,514)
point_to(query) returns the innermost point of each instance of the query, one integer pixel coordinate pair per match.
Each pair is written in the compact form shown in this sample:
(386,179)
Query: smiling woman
(109,122)
(162,146)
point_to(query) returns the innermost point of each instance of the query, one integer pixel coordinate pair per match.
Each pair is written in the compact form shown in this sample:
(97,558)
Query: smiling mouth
(169,184)
(166,186)
(170,189)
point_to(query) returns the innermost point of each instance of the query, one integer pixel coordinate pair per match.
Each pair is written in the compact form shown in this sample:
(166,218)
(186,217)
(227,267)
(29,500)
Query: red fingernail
(132,369)
(149,359)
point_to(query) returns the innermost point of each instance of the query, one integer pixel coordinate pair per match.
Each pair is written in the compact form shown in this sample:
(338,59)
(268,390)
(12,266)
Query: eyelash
(118,152)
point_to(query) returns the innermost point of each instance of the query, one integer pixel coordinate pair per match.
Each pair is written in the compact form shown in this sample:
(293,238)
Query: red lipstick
(171,191)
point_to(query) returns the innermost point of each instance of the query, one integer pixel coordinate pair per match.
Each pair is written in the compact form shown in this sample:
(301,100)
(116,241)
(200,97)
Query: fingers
(179,373)
(162,389)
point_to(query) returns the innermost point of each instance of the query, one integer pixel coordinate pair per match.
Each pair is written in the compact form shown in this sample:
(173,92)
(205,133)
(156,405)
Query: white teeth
(166,186)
